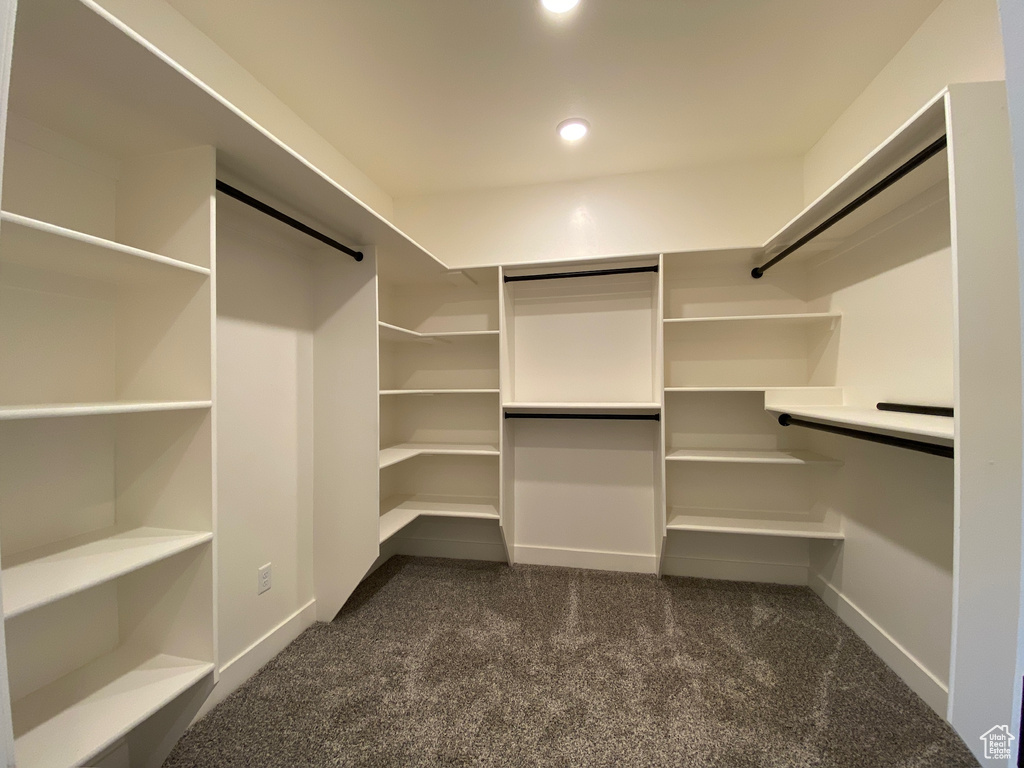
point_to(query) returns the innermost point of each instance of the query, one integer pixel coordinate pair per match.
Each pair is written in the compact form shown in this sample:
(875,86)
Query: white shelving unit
(752,523)
(796,457)
(106,412)
(933,429)
(438,336)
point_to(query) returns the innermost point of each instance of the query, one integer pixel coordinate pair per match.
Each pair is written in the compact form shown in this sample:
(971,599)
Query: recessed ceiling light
(573,129)
(560,6)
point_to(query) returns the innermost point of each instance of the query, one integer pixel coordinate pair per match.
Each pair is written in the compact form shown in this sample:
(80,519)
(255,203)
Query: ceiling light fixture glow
(560,6)
(573,129)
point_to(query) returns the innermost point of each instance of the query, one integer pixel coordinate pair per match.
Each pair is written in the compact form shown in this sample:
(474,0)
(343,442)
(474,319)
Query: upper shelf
(930,429)
(52,410)
(924,127)
(792,319)
(389,332)
(29,242)
(88,57)
(584,408)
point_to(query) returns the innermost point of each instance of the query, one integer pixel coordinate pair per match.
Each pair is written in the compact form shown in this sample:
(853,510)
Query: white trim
(246,664)
(735,570)
(920,679)
(457,550)
(596,560)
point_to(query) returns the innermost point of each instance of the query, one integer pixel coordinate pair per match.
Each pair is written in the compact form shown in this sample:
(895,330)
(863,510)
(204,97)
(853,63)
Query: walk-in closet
(231,390)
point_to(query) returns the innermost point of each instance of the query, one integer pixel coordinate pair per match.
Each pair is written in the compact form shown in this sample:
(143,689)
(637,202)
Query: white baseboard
(925,684)
(248,662)
(735,570)
(457,550)
(594,560)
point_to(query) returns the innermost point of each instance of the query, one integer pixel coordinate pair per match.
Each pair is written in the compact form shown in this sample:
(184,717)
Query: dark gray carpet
(454,663)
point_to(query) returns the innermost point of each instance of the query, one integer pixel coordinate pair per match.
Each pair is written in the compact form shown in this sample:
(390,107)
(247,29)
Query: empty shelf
(751,523)
(389,332)
(84,712)
(51,410)
(438,391)
(398,511)
(41,576)
(807,318)
(584,408)
(396,453)
(932,429)
(47,246)
(749,457)
(763,388)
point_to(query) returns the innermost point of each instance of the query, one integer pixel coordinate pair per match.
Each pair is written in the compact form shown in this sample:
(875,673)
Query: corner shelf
(793,457)
(752,523)
(397,453)
(39,244)
(41,576)
(79,715)
(932,429)
(398,511)
(52,410)
(395,333)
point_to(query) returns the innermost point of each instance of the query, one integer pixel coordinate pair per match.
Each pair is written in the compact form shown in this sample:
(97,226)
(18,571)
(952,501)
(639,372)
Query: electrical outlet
(263,579)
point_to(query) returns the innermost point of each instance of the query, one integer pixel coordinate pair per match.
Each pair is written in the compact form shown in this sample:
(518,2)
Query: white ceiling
(435,95)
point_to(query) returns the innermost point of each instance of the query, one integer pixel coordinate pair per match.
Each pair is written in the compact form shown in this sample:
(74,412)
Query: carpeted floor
(455,663)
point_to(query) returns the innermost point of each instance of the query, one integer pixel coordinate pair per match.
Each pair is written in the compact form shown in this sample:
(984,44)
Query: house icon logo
(997,742)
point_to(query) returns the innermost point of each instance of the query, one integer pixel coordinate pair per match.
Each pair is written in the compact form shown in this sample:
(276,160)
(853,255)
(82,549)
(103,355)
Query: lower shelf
(397,453)
(796,457)
(752,523)
(74,718)
(41,576)
(397,512)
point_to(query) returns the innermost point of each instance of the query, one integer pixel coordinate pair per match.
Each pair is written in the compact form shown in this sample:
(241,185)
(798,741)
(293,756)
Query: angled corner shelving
(400,510)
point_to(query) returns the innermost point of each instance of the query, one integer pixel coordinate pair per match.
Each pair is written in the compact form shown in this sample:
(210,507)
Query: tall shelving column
(106,425)
(438,362)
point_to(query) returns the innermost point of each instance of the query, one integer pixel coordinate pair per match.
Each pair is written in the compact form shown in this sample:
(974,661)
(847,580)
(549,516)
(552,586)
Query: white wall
(173,34)
(959,42)
(710,207)
(265,442)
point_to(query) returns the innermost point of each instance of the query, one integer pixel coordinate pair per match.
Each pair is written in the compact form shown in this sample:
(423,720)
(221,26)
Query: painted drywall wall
(265,434)
(173,34)
(959,42)
(724,206)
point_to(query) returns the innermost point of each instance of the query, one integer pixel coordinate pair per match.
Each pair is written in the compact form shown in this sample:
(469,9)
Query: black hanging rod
(606,416)
(919,159)
(262,207)
(924,410)
(591,273)
(900,442)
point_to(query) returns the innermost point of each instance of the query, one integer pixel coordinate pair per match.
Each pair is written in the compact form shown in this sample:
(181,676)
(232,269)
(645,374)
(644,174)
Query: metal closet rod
(591,273)
(919,159)
(900,442)
(924,410)
(605,416)
(262,207)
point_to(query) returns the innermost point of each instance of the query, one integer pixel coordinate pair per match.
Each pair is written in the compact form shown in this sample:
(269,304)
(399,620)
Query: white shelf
(766,388)
(807,318)
(794,457)
(438,391)
(927,125)
(751,523)
(50,410)
(398,511)
(396,453)
(41,576)
(30,242)
(584,408)
(72,719)
(932,429)
(389,332)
